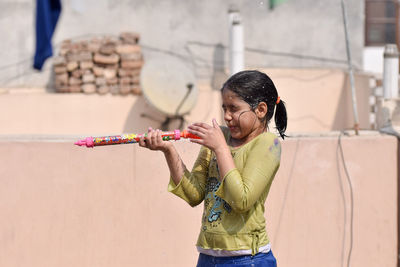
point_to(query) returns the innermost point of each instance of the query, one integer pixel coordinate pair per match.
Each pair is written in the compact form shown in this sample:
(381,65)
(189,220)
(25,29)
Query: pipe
(391,72)
(236,44)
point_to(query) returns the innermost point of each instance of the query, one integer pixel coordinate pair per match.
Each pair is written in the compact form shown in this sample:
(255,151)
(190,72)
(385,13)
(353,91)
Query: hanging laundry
(47,13)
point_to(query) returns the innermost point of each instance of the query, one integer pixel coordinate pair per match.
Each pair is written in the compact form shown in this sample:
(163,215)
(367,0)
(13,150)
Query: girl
(233,172)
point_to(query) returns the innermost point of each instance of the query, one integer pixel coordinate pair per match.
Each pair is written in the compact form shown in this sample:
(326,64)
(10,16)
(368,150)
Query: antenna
(168,85)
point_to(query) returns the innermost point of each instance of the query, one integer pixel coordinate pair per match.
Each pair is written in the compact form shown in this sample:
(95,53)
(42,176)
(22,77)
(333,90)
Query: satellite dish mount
(165,81)
(177,116)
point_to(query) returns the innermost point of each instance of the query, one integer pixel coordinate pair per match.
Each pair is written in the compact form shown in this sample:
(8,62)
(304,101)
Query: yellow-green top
(233,216)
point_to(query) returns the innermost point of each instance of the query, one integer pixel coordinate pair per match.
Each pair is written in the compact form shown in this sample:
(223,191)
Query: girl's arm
(224,161)
(175,164)
(241,189)
(189,186)
(153,141)
(213,138)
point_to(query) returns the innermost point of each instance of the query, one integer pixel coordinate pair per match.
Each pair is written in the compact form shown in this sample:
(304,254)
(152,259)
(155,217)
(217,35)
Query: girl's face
(243,122)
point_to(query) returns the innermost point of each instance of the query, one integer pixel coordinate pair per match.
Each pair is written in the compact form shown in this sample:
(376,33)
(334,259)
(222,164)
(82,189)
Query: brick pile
(100,65)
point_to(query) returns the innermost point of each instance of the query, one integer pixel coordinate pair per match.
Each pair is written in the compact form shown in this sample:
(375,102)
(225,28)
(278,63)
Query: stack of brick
(106,65)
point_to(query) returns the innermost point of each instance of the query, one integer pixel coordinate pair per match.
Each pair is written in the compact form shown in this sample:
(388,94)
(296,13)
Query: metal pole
(236,44)
(391,72)
(351,75)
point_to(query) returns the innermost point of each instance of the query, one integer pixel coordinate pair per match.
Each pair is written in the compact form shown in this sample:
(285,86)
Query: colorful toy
(131,138)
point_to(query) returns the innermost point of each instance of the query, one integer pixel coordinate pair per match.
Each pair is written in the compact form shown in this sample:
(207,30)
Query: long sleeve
(242,189)
(191,188)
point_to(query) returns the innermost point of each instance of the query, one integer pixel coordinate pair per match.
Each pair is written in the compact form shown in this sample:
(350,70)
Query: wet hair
(255,87)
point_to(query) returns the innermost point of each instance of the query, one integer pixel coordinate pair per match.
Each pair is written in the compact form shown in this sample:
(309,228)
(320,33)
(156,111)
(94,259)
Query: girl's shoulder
(261,141)
(265,139)
(269,138)
(263,144)
(270,141)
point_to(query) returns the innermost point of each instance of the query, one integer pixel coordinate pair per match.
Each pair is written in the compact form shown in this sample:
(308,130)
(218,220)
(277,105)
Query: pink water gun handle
(131,138)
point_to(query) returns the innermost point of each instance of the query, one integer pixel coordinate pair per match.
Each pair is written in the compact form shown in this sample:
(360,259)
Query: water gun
(131,138)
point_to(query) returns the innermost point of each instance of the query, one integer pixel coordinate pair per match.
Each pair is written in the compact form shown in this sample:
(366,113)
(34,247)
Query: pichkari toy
(131,138)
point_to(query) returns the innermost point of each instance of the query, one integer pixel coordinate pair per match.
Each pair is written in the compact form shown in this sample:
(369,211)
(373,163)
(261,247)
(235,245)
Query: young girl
(233,172)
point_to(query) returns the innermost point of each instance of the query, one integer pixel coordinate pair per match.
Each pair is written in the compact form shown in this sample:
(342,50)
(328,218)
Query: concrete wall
(63,205)
(37,112)
(317,100)
(302,33)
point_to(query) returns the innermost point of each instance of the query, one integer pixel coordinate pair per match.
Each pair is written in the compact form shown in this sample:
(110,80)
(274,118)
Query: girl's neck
(235,143)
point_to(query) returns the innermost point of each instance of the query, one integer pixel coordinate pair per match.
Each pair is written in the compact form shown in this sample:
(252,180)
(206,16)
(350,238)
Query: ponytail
(281,118)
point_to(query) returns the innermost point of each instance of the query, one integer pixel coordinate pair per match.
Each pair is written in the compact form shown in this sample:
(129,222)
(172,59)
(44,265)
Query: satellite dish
(168,84)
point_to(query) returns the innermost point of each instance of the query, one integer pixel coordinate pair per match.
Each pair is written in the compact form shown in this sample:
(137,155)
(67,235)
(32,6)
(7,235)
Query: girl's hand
(211,136)
(153,141)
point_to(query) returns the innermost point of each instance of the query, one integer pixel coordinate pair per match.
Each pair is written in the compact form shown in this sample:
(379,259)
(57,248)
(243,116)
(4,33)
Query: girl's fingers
(193,127)
(142,142)
(152,140)
(198,129)
(204,125)
(203,129)
(215,123)
(199,134)
(148,138)
(197,141)
(201,125)
(158,137)
(153,137)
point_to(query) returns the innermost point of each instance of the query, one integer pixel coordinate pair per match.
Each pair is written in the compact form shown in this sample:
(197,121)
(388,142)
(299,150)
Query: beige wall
(318,100)
(27,112)
(63,205)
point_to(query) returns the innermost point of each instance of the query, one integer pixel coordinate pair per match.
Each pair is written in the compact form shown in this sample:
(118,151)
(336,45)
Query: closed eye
(231,108)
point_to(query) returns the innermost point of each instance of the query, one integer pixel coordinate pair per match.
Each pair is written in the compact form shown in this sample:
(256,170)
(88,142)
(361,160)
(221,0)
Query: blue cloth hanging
(47,13)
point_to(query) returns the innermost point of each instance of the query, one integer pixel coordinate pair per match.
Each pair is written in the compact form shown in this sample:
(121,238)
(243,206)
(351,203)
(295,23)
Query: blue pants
(258,260)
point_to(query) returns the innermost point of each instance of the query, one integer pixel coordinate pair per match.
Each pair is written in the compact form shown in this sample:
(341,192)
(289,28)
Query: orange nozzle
(186,134)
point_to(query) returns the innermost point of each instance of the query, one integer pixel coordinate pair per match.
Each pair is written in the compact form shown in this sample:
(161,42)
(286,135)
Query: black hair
(255,87)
